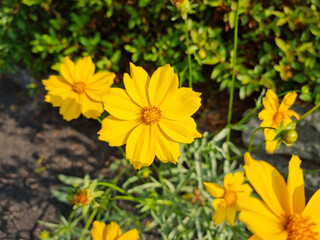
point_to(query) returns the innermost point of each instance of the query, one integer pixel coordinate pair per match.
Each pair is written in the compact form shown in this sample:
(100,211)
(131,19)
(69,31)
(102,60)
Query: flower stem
(253,134)
(235,43)
(309,112)
(114,187)
(88,223)
(99,120)
(188,50)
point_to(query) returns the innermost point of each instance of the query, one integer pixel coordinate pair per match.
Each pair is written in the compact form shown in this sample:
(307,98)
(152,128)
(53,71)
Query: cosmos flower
(282,213)
(112,231)
(151,116)
(226,199)
(272,115)
(78,90)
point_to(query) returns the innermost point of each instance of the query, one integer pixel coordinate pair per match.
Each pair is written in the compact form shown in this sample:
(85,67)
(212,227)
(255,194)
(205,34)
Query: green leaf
(281,44)
(31,2)
(300,78)
(315,30)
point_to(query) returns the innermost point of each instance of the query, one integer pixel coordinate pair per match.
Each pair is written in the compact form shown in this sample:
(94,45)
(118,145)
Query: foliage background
(278,43)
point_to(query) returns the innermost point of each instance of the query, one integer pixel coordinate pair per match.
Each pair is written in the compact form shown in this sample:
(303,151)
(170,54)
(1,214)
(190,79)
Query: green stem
(254,133)
(188,50)
(235,44)
(94,212)
(309,112)
(242,154)
(114,187)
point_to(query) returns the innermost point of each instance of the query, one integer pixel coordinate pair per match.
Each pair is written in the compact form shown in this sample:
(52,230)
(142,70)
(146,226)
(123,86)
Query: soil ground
(36,145)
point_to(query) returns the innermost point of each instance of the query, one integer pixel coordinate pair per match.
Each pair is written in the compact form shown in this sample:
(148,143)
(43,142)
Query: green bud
(289,136)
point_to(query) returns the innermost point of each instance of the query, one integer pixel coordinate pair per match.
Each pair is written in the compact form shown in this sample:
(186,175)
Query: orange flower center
(151,115)
(79,87)
(278,118)
(300,228)
(230,197)
(82,197)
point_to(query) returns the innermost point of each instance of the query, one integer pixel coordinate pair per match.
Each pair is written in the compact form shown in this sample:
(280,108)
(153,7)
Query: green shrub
(279,42)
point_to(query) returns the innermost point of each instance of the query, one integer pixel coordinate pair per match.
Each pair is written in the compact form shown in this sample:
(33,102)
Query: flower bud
(289,136)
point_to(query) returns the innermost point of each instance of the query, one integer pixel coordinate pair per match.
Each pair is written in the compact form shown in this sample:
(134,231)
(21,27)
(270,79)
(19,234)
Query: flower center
(151,115)
(278,118)
(79,87)
(300,228)
(230,197)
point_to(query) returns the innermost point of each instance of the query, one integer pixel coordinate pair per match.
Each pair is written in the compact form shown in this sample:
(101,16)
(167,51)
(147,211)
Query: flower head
(78,90)
(273,115)
(226,202)
(112,231)
(151,116)
(281,214)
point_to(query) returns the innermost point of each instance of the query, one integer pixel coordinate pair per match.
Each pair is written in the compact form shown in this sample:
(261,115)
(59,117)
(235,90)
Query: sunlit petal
(269,184)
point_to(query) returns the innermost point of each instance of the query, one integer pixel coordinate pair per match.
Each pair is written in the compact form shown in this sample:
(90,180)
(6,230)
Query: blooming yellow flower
(282,214)
(226,202)
(112,231)
(78,90)
(272,115)
(151,116)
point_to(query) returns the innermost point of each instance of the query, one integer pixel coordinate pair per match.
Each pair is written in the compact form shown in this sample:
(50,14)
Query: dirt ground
(36,145)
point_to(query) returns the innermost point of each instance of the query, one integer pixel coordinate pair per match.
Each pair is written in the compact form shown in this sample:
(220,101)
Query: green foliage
(172,198)
(278,47)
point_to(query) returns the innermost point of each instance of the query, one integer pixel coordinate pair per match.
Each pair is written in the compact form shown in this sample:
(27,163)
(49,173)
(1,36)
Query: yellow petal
(270,101)
(271,146)
(68,70)
(167,150)
(112,231)
(291,113)
(260,220)
(97,230)
(266,114)
(141,146)
(90,108)
(56,101)
(99,85)
(184,103)
(116,131)
(288,101)
(130,235)
(119,104)
(233,181)
(295,185)
(243,191)
(183,130)
(163,84)
(255,237)
(136,85)
(231,214)
(70,108)
(84,69)
(214,189)
(313,210)
(269,184)
(219,215)
(57,86)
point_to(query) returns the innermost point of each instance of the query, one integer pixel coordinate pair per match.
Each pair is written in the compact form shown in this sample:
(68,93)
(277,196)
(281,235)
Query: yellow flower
(151,116)
(226,202)
(282,214)
(78,90)
(272,115)
(112,231)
